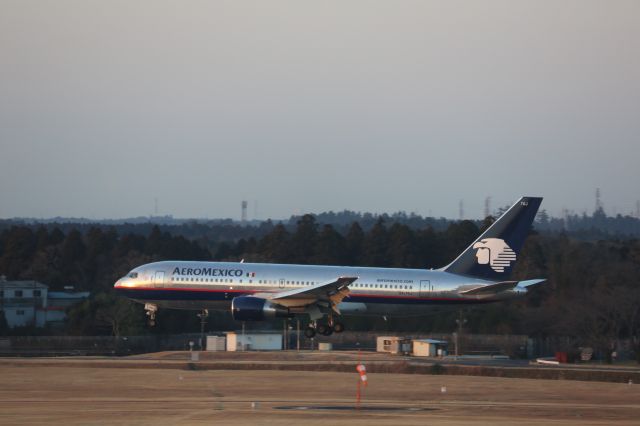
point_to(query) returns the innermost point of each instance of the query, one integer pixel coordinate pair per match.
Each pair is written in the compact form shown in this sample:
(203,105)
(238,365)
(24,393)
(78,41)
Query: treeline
(592,294)
(209,233)
(86,261)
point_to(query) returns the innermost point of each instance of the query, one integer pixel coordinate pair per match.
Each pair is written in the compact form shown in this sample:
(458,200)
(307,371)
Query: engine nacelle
(249,308)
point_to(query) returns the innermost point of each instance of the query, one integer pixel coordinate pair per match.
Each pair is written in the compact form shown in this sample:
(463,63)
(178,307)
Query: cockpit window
(133,275)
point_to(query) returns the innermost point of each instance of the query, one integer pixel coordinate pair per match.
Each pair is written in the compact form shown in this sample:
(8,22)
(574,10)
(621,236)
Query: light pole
(203,320)
(461,321)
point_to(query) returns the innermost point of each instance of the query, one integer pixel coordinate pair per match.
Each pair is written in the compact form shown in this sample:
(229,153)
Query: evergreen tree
(275,246)
(303,240)
(376,243)
(330,248)
(402,251)
(354,242)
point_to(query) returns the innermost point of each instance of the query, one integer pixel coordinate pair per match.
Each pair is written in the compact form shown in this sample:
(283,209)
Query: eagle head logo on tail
(494,252)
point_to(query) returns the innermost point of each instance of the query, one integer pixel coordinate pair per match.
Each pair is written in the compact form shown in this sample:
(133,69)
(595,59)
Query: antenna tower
(244,211)
(487,207)
(599,206)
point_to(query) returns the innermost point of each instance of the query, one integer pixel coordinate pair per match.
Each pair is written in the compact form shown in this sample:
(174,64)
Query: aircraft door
(158,279)
(281,282)
(426,288)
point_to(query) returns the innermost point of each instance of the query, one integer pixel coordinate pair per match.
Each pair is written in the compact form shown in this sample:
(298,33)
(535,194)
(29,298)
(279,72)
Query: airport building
(393,344)
(429,347)
(253,341)
(30,303)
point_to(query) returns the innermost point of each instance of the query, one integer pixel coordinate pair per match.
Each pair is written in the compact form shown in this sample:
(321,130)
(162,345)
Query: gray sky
(315,106)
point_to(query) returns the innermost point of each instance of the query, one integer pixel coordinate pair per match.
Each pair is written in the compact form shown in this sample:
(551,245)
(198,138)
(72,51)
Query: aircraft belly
(398,310)
(195,305)
(352,308)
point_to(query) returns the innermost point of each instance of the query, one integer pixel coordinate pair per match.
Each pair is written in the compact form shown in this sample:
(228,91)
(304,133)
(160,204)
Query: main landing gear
(151,313)
(323,329)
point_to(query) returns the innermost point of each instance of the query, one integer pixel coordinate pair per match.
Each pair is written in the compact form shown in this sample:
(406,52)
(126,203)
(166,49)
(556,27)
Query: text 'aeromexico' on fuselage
(255,291)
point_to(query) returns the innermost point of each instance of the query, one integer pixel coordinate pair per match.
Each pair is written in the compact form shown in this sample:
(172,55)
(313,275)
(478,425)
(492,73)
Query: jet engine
(249,308)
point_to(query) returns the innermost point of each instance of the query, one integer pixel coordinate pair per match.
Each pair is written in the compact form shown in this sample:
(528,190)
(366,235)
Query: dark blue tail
(493,255)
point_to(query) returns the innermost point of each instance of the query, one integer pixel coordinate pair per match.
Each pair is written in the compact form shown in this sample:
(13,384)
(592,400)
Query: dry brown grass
(33,393)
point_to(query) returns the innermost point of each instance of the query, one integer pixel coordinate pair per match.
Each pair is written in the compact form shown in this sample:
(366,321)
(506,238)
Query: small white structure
(216,343)
(393,344)
(325,346)
(429,347)
(253,341)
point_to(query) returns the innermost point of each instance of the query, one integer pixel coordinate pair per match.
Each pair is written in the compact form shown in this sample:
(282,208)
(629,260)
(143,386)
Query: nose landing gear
(151,310)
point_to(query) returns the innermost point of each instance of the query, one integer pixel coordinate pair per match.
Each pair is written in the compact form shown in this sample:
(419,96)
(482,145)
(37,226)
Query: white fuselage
(377,291)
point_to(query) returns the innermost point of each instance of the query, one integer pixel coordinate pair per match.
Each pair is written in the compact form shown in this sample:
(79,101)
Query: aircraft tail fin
(493,255)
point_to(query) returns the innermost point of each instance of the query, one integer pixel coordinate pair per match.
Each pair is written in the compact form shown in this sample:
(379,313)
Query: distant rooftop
(23,283)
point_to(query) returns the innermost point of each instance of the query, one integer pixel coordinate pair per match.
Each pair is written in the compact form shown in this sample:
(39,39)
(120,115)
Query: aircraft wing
(331,292)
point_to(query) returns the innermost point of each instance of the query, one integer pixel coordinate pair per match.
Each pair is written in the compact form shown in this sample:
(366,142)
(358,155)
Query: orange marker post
(360,368)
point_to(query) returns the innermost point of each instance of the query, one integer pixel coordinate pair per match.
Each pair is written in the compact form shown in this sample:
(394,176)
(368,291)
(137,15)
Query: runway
(37,394)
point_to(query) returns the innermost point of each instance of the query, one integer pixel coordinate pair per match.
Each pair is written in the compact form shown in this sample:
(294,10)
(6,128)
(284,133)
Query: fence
(93,345)
(515,346)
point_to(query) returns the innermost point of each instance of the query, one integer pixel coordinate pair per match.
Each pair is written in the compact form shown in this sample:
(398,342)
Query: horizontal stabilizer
(529,283)
(490,289)
(501,286)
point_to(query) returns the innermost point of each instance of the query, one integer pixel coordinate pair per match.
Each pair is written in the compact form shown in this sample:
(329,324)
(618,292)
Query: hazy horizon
(310,107)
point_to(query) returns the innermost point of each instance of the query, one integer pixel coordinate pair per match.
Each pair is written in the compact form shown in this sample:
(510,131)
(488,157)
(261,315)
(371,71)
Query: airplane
(260,291)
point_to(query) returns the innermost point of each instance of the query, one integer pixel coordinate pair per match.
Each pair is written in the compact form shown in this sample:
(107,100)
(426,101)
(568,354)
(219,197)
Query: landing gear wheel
(338,327)
(325,330)
(151,310)
(310,332)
